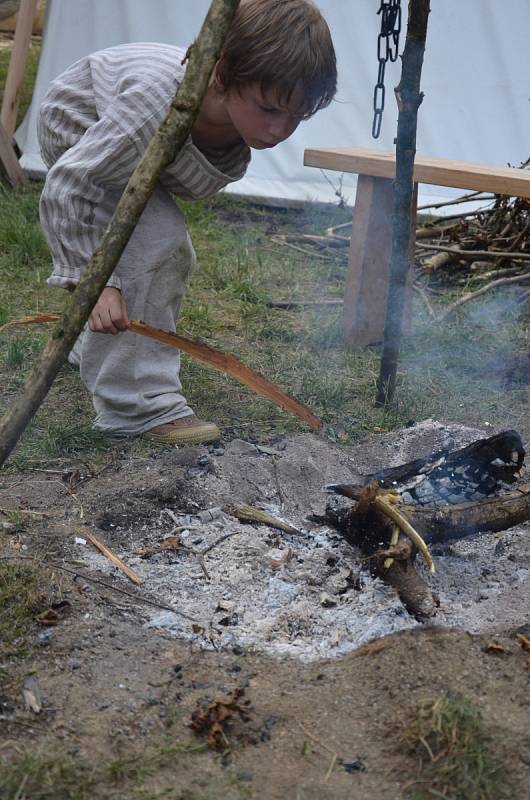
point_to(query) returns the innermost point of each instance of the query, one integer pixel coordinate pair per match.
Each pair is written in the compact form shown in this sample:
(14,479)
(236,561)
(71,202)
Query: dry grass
(457,756)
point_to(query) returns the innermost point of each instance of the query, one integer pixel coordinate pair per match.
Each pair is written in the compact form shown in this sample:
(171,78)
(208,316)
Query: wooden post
(366,291)
(409,99)
(162,149)
(17,65)
(9,161)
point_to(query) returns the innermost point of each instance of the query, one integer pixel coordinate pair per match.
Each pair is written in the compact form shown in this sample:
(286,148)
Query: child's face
(260,119)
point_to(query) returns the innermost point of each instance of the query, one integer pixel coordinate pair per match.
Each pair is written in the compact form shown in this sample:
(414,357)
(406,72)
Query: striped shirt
(95,123)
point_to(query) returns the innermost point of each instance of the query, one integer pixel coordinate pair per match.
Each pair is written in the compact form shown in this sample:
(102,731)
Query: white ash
(308,596)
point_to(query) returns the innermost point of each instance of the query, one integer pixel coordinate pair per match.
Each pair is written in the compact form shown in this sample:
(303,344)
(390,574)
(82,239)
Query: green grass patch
(455,751)
(30,72)
(21,599)
(166,770)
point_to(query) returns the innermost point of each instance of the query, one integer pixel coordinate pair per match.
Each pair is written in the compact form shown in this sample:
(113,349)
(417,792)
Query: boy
(277,68)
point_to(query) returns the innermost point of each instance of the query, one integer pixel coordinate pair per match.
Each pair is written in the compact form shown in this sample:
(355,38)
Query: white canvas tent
(475,80)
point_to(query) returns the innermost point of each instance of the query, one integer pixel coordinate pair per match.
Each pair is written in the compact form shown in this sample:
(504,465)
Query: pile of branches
(491,242)
(489,245)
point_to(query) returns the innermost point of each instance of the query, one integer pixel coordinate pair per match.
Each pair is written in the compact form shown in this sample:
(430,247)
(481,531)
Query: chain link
(387,50)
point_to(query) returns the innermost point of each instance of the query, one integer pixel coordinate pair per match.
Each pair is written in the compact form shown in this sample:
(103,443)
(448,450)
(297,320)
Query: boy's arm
(79,197)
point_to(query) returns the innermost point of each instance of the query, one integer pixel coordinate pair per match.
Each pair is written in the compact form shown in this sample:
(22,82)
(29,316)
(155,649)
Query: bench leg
(367,280)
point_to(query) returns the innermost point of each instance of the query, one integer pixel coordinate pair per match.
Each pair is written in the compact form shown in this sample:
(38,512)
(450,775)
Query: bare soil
(324,702)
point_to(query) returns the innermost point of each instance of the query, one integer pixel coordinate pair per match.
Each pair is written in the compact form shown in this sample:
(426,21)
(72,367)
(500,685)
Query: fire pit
(306,594)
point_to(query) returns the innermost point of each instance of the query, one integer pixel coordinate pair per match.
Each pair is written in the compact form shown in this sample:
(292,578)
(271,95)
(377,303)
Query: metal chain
(387,50)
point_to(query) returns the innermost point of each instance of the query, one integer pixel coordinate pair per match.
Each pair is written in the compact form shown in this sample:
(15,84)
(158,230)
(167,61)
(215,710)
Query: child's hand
(109,315)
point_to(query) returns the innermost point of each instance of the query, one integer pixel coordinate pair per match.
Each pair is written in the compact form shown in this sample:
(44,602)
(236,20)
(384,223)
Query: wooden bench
(367,280)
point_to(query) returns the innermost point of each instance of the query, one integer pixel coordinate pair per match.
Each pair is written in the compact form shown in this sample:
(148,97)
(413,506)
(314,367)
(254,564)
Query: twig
(331,231)
(310,253)
(462,214)
(218,542)
(247,513)
(467,198)
(131,574)
(489,286)
(290,304)
(473,254)
(109,586)
(334,755)
(422,293)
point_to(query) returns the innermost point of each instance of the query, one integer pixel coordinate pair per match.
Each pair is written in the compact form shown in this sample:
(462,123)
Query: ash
(305,595)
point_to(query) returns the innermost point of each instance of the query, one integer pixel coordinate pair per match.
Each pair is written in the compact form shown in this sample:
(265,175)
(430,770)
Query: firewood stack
(491,243)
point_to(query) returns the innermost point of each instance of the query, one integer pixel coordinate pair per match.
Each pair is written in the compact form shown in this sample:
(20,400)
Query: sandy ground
(328,660)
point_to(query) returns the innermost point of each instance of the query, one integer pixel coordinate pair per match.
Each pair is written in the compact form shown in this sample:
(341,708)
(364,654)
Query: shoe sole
(184,437)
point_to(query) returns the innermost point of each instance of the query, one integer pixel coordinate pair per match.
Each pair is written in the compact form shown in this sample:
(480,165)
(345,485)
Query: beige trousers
(134,381)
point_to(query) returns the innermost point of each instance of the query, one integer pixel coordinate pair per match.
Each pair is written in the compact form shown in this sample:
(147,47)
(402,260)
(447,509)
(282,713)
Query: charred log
(441,523)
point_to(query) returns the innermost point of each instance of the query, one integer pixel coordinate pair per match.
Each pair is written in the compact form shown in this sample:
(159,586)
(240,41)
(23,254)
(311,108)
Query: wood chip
(109,554)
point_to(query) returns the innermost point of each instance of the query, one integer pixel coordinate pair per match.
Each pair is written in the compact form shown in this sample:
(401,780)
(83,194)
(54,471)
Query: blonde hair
(284,46)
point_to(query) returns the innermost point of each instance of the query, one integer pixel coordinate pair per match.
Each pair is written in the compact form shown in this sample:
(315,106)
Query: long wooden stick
(409,98)
(224,362)
(17,65)
(162,149)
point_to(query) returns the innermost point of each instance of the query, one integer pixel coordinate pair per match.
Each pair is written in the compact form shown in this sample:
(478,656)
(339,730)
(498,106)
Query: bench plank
(437,171)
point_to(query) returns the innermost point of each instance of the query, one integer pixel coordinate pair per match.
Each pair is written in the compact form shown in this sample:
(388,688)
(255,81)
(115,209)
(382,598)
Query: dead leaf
(494,647)
(523,641)
(171,543)
(55,613)
(213,719)
(197,628)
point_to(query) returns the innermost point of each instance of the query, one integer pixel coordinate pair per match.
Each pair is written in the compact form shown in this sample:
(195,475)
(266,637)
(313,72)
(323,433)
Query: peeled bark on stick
(162,149)
(225,362)
(409,99)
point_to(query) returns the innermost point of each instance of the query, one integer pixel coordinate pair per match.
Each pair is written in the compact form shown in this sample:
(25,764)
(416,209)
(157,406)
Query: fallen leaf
(213,719)
(523,641)
(55,613)
(171,543)
(494,647)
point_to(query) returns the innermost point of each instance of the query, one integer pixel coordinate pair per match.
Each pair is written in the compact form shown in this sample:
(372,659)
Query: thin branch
(489,286)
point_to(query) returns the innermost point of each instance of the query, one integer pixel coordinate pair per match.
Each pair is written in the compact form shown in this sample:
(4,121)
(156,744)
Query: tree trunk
(162,149)
(409,99)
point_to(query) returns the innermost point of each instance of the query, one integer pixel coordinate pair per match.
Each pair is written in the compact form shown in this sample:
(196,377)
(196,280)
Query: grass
(450,371)
(21,599)
(455,752)
(162,771)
